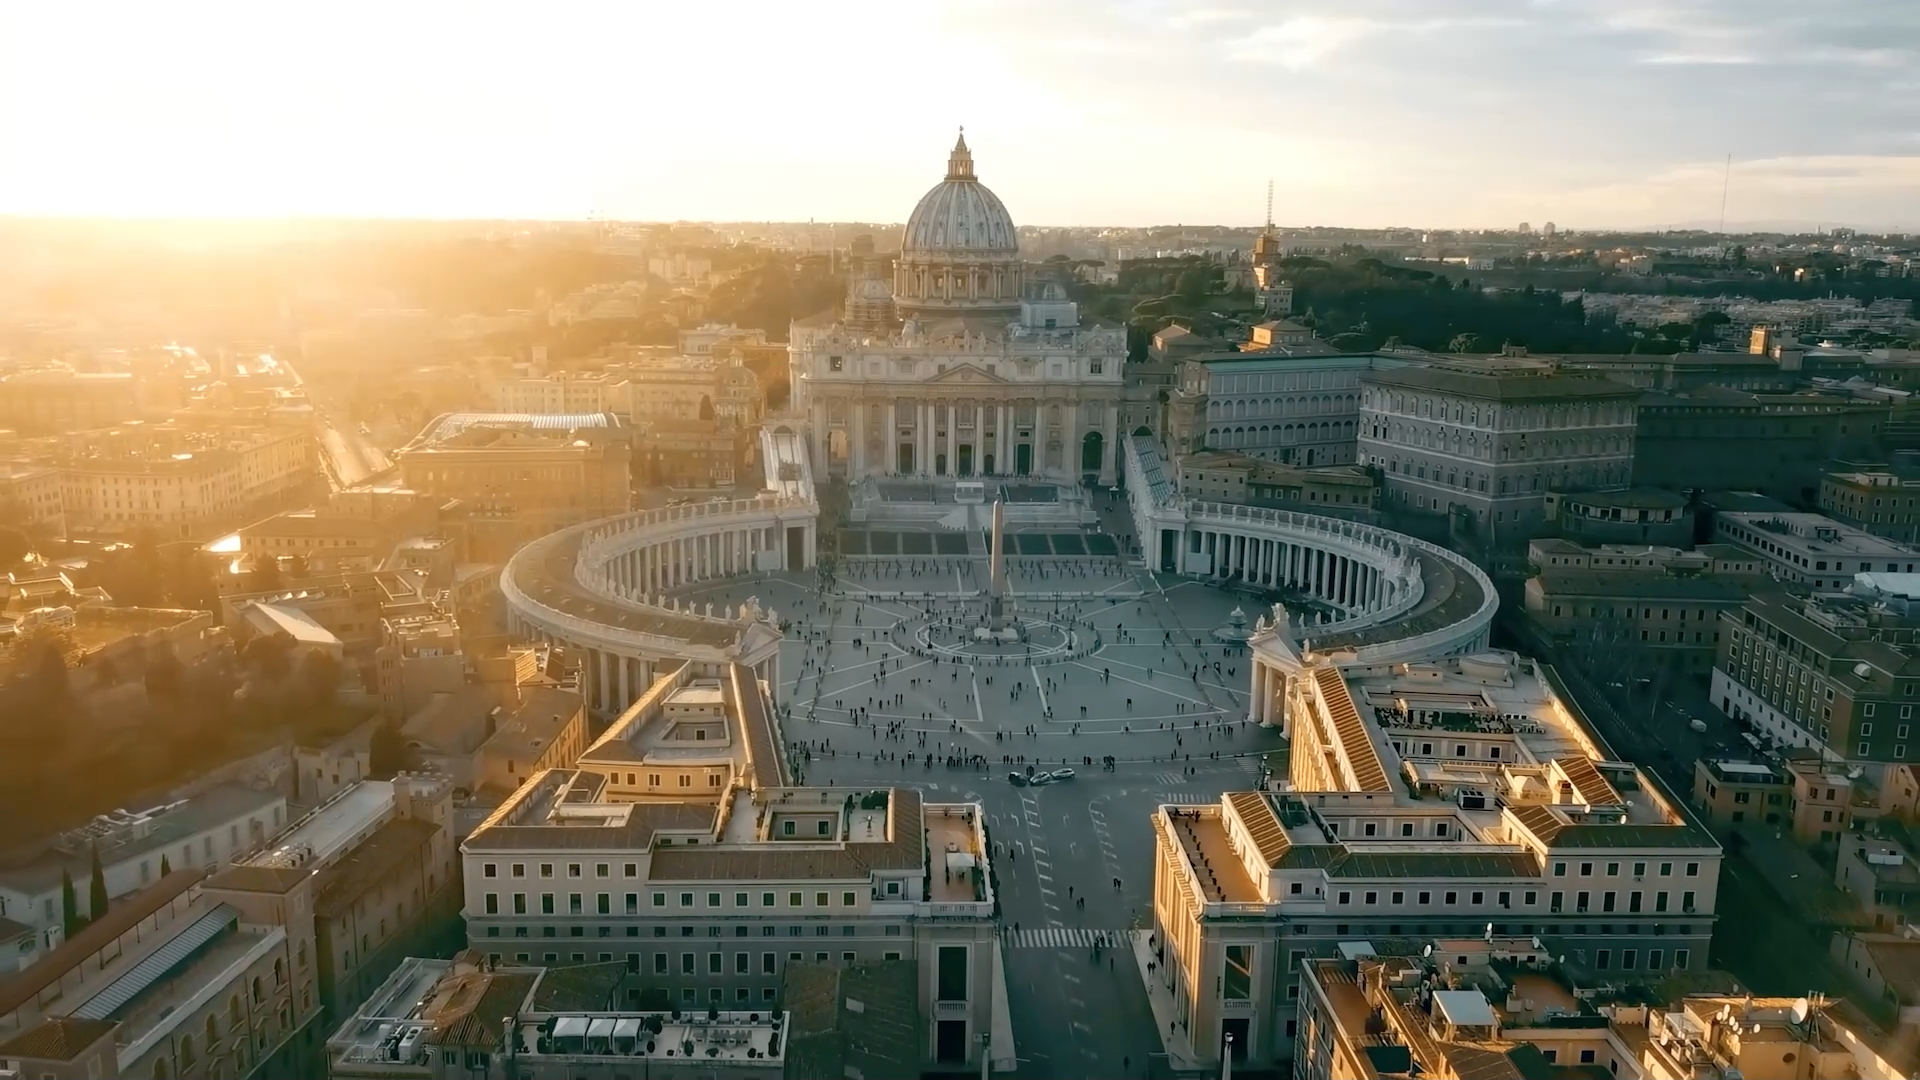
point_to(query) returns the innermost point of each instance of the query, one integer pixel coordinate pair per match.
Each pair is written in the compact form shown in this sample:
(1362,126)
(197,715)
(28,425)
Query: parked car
(1061,774)
(1016,779)
(1040,779)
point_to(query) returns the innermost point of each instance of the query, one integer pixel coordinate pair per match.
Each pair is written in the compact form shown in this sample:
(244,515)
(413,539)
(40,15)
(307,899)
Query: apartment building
(559,393)
(1491,438)
(1813,550)
(217,827)
(1277,406)
(1836,673)
(1225,476)
(349,606)
(1714,438)
(32,497)
(194,975)
(468,1017)
(1622,516)
(1507,1009)
(687,388)
(542,472)
(1663,603)
(1729,792)
(1880,501)
(57,399)
(1438,798)
(176,481)
(676,846)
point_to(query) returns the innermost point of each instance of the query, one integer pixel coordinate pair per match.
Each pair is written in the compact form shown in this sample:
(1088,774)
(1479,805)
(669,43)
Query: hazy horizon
(1365,114)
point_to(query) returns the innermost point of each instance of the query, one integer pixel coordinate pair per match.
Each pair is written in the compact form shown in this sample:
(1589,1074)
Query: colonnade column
(626,683)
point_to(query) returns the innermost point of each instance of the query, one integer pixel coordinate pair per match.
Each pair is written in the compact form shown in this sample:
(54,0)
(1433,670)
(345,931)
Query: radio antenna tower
(1725,182)
(1269,204)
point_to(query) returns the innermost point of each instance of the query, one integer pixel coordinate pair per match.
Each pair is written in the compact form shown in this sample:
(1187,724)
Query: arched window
(258,997)
(300,955)
(279,972)
(186,1053)
(233,1011)
(160,1069)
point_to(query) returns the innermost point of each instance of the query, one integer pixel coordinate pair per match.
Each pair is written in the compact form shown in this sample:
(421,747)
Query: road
(1177,736)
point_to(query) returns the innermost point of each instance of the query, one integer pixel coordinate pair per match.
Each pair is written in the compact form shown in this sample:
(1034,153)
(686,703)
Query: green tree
(97,888)
(270,655)
(70,919)
(167,867)
(320,675)
(386,751)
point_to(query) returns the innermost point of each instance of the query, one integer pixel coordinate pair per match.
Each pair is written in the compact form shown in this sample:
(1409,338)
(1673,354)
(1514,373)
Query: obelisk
(997,570)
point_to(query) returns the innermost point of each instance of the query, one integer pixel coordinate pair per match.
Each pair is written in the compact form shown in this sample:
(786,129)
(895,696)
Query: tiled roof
(498,833)
(861,1020)
(1501,386)
(764,762)
(58,1038)
(1355,744)
(1359,863)
(1588,785)
(471,1015)
(261,879)
(1262,824)
(122,916)
(372,861)
(904,849)
(580,987)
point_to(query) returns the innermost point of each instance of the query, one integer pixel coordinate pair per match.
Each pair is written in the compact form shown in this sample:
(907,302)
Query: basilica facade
(953,360)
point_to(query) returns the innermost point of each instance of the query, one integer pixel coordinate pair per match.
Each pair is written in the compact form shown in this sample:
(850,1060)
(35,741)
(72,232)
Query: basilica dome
(960,214)
(959,255)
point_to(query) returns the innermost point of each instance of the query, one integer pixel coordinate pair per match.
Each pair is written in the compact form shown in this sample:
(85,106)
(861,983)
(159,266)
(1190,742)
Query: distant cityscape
(511,649)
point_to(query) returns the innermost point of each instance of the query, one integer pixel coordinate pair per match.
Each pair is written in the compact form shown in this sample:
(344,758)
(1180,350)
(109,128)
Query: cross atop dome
(960,162)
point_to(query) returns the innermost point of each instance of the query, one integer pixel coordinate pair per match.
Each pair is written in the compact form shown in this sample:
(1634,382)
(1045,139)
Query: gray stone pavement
(1175,737)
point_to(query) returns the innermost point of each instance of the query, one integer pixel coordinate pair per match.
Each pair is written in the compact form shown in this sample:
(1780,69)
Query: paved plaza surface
(885,681)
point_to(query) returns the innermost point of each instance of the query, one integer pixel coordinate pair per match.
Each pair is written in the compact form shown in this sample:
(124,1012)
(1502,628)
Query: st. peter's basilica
(960,363)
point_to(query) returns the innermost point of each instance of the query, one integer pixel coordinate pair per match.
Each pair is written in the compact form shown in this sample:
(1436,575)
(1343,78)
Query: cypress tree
(70,919)
(165,866)
(97,891)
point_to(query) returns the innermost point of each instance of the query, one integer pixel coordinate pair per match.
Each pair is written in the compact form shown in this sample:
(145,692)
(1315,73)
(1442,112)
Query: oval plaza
(1435,786)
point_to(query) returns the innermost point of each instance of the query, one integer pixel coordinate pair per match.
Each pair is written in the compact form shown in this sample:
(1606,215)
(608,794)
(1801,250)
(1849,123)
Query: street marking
(1065,937)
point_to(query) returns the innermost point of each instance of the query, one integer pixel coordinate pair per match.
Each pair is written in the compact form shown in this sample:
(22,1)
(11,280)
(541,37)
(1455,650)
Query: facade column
(1110,443)
(857,453)
(1257,699)
(626,684)
(953,439)
(979,439)
(1070,441)
(890,445)
(1003,438)
(923,441)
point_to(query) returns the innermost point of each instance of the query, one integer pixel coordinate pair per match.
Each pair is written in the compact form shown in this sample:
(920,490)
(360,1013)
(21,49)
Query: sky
(1363,113)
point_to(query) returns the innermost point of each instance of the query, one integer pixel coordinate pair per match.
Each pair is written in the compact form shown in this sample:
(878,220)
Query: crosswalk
(1064,937)
(1184,798)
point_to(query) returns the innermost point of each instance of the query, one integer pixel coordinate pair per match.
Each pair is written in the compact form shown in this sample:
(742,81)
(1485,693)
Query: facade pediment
(966,373)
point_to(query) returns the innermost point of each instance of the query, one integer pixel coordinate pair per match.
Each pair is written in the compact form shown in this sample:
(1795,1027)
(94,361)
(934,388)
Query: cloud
(1699,59)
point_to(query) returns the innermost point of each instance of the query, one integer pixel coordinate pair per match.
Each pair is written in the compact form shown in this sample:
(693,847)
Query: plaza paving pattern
(867,714)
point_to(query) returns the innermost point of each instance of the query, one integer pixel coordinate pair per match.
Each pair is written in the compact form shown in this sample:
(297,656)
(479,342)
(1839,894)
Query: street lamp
(986,1040)
(1226,1058)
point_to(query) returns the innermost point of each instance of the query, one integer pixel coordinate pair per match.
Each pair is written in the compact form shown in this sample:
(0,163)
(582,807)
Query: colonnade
(1353,585)
(683,560)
